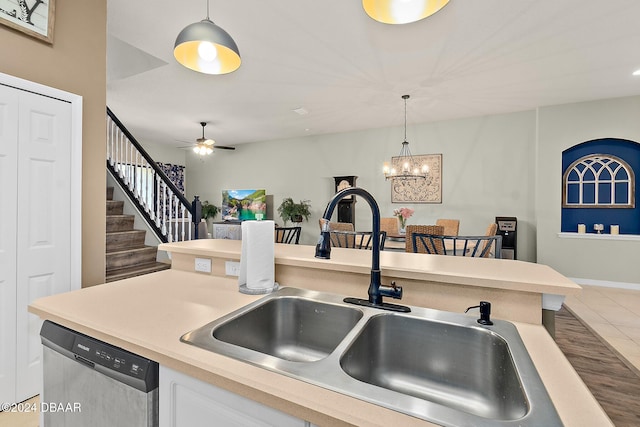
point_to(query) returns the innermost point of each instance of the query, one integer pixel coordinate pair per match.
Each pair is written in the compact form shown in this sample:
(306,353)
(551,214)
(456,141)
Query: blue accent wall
(628,219)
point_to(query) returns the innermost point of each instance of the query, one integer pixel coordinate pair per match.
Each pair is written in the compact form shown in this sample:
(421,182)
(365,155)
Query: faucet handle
(485,312)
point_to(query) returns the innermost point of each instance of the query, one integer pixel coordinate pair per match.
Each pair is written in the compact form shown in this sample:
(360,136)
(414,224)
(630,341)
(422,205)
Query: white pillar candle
(582,228)
(615,229)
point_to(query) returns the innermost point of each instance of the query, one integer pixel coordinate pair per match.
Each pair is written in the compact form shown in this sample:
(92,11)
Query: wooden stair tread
(119,223)
(138,270)
(134,250)
(126,252)
(122,240)
(125,232)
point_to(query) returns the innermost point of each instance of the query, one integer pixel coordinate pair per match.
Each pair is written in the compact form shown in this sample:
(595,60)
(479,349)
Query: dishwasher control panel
(110,357)
(95,354)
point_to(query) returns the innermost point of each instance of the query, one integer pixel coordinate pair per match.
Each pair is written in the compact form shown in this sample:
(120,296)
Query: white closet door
(8,220)
(43,225)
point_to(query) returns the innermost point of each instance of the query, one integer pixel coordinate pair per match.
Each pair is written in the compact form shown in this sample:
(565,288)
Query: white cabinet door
(43,226)
(36,229)
(8,220)
(188,402)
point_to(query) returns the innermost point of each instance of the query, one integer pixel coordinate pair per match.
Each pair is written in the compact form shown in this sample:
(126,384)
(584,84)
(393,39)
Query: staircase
(127,255)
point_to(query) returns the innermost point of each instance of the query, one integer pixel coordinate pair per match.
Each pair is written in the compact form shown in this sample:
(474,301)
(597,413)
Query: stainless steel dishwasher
(87,382)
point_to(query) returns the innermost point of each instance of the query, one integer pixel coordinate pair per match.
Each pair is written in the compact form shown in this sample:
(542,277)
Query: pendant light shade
(206,48)
(401,11)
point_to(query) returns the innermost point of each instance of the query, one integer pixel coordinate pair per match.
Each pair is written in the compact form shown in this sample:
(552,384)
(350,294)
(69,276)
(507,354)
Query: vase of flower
(403,214)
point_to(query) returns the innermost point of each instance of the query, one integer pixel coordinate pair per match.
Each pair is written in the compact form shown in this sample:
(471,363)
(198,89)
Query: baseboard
(607,283)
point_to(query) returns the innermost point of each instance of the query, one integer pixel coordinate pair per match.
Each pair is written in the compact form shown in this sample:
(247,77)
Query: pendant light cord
(208,10)
(405,119)
(405,97)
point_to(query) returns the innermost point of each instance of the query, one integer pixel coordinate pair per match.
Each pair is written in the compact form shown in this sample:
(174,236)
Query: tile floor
(614,314)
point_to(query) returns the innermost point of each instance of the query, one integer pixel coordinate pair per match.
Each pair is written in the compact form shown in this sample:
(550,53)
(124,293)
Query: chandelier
(404,166)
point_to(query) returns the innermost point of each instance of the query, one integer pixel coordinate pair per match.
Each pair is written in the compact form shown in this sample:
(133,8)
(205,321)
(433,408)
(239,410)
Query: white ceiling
(472,58)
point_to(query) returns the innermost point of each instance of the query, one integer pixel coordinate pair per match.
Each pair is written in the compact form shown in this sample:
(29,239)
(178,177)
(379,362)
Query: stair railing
(163,205)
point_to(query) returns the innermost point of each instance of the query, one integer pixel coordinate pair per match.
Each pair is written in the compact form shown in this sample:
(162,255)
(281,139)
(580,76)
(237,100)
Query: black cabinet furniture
(507,228)
(346,206)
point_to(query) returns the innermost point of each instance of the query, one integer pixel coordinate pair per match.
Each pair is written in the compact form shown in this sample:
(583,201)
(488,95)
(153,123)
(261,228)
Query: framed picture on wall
(427,190)
(32,17)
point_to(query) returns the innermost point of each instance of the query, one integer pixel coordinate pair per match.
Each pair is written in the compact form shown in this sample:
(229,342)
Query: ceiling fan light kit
(401,11)
(202,149)
(206,48)
(204,146)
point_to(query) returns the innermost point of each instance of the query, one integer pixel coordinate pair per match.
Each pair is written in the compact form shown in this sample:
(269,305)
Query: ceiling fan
(205,146)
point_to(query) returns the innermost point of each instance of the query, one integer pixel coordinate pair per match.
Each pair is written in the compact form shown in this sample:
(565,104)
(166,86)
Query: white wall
(503,165)
(561,127)
(164,154)
(488,171)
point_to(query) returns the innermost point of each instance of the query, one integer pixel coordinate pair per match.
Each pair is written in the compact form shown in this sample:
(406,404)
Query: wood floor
(615,385)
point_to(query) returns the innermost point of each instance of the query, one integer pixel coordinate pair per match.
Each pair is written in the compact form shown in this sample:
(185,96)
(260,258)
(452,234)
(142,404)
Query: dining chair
(355,239)
(492,229)
(470,246)
(336,226)
(390,225)
(451,226)
(289,235)
(426,229)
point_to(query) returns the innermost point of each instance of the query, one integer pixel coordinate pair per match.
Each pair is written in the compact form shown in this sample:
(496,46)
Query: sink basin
(466,368)
(434,365)
(290,328)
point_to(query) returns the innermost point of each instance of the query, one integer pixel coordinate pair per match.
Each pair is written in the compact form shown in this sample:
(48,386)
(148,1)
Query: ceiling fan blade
(223,147)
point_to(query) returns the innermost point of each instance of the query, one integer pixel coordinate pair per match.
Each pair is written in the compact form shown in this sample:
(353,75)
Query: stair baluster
(163,206)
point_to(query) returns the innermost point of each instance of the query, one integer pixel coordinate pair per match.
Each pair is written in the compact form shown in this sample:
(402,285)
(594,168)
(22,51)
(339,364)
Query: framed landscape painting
(419,190)
(32,17)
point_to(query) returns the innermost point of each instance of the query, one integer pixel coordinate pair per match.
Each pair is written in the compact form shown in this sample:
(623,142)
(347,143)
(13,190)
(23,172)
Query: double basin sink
(438,366)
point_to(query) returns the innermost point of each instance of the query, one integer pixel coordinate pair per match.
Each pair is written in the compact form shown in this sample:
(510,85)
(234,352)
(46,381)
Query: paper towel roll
(257,266)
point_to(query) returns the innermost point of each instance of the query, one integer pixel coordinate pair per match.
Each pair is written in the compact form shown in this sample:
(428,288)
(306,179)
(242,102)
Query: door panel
(8,213)
(44,226)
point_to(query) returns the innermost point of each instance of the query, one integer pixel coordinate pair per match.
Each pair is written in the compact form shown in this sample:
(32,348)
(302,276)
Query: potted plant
(209,212)
(294,212)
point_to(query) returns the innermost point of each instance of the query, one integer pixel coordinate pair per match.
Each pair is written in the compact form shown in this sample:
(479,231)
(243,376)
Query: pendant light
(206,48)
(408,167)
(401,11)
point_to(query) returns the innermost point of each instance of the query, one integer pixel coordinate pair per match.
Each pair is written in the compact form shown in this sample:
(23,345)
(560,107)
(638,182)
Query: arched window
(598,180)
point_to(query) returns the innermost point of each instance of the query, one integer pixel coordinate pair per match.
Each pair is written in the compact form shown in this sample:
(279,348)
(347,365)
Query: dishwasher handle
(84,361)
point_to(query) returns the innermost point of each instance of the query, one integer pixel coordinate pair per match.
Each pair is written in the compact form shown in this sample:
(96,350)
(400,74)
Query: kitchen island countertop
(148,314)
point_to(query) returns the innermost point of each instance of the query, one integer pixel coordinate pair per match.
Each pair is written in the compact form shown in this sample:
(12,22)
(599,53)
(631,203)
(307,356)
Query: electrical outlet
(232,268)
(203,265)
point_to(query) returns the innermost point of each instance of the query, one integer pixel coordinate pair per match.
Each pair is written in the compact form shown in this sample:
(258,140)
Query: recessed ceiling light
(301,111)
(636,73)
